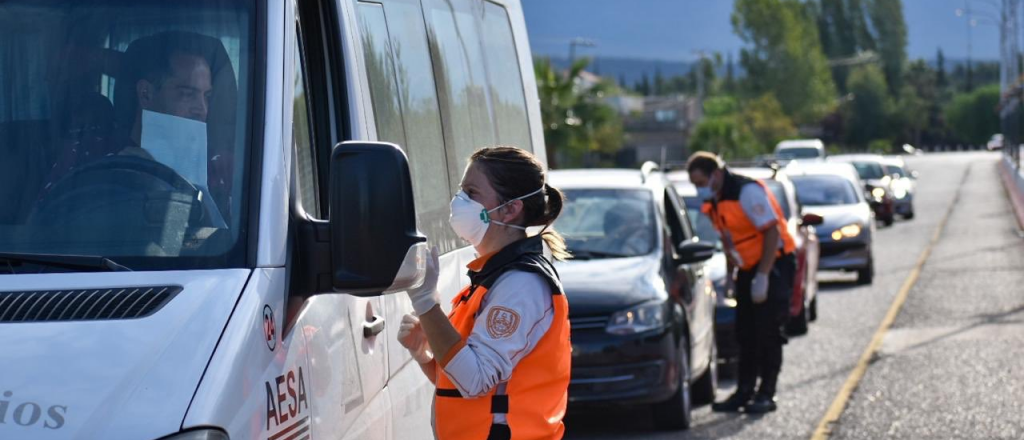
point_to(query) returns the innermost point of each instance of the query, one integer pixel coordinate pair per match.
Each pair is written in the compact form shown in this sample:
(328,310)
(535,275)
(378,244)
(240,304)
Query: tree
(940,66)
(865,116)
(734,130)
(767,122)
(578,125)
(659,82)
(784,56)
(891,40)
(729,85)
(972,116)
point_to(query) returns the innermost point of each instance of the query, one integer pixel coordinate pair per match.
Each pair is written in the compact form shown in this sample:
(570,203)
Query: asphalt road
(950,366)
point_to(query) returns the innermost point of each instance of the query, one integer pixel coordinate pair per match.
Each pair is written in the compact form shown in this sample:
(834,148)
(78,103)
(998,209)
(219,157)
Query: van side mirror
(811,220)
(375,246)
(694,252)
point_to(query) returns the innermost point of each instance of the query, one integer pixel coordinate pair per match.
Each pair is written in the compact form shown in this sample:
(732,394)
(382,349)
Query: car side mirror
(811,220)
(375,245)
(694,252)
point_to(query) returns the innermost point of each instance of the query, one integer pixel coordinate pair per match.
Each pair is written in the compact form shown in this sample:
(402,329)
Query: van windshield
(123,131)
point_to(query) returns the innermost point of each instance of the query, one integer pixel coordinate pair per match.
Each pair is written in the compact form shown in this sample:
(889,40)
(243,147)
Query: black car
(640,302)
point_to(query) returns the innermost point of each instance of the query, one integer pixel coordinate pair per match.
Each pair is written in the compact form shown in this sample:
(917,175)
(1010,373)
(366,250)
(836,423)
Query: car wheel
(909,215)
(814,309)
(867,274)
(706,387)
(889,220)
(674,413)
(797,325)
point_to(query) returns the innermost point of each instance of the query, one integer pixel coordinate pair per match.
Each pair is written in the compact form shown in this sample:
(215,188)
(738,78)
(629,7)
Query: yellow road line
(824,429)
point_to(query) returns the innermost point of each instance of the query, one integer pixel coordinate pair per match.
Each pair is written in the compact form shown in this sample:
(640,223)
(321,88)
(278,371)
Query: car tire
(675,413)
(706,387)
(909,215)
(866,275)
(813,314)
(889,220)
(797,325)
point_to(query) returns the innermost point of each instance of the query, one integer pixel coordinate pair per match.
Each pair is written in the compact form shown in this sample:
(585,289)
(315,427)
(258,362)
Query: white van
(204,216)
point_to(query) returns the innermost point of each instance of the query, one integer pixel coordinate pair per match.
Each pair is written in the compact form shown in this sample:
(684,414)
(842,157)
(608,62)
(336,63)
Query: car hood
(115,378)
(603,286)
(839,216)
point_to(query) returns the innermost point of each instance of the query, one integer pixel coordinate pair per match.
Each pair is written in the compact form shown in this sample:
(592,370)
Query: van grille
(84,305)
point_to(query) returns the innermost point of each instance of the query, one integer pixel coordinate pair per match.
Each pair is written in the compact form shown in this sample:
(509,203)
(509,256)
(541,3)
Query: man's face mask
(470,219)
(177,142)
(706,192)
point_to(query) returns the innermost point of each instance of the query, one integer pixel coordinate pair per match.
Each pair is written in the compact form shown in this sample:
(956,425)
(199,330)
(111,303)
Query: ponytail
(553,208)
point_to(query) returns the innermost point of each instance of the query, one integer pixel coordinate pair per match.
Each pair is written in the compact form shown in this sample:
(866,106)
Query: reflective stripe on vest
(536,394)
(728,217)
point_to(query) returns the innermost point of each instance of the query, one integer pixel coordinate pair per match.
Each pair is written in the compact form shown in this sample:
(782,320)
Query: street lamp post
(973,18)
(578,41)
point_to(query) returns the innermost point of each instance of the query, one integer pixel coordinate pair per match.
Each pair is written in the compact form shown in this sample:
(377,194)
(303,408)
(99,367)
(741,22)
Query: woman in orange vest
(502,359)
(757,243)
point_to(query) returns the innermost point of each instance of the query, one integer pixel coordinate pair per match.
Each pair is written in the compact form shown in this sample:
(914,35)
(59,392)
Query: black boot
(761,404)
(734,403)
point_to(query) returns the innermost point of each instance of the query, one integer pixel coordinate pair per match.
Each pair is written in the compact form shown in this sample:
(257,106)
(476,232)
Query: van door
(347,345)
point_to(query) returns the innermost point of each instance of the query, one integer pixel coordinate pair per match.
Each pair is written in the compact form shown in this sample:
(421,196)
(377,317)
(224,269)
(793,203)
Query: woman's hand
(411,336)
(425,297)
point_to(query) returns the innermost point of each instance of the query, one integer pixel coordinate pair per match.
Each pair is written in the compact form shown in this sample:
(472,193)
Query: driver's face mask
(470,219)
(179,143)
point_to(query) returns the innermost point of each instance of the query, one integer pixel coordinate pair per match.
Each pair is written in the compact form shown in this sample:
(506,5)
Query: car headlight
(878,193)
(198,434)
(639,319)
(848,231)
(899,193)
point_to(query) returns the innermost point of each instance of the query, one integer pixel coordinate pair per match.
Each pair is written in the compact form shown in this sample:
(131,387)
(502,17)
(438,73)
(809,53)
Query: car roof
(603,179)
(800,143)
(841,169)
(857,158)
(755,173)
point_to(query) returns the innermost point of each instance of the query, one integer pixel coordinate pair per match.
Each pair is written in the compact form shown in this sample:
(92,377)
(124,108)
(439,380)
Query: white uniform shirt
(757,207)
(516,313)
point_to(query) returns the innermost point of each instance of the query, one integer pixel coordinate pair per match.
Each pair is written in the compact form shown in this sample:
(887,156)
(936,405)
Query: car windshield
(701,223)
(779,192)
(896,170)
(824,190)
(608,223)
(123,129)
(798,153)
(869,170)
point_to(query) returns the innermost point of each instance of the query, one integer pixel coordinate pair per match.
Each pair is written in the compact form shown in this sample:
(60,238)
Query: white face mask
(470,219)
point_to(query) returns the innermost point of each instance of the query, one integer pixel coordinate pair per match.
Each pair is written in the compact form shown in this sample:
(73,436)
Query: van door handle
(374,327)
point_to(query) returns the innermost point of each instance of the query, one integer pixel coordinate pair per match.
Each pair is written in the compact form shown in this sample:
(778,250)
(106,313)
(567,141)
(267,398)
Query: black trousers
(760,328)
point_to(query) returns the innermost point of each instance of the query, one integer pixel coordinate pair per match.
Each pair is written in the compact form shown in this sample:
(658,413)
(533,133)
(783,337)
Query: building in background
(657,128)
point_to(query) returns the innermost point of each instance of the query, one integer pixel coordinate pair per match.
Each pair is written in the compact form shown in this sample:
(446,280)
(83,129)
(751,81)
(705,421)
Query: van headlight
(645,317)
(848,231)
(198,434)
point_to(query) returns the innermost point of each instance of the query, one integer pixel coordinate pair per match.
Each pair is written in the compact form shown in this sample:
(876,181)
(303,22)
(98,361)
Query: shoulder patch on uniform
(502,322)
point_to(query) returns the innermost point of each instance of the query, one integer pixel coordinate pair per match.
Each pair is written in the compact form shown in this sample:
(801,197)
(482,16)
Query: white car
(800,149)
(211,209)
(995,143)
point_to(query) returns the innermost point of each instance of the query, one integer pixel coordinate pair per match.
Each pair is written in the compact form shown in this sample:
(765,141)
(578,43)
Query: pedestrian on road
(757,244)
(503,355)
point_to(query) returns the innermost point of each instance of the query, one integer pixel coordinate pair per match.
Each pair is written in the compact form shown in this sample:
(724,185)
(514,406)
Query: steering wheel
(118,183)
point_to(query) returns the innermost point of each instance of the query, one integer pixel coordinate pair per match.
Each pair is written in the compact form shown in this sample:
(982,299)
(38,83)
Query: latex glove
(759,288)
(425,297)
(412,337)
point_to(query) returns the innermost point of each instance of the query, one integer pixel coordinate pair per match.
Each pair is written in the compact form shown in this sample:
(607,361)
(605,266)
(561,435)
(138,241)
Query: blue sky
(674,29)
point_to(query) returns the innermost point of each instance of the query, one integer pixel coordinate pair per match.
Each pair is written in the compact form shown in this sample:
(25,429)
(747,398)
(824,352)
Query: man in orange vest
(757,244)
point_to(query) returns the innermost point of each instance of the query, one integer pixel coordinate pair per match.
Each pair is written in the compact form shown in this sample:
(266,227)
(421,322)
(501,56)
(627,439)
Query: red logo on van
(269,329)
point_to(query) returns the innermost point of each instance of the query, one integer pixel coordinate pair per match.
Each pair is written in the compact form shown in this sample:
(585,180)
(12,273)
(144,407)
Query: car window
(799,153)
(779,192)
(896,170)
(608,223)
(702,225)
(123,130)
(824,190)
(869,170)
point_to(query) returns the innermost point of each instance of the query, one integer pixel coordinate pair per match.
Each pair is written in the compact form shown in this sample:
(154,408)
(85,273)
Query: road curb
(1014,189)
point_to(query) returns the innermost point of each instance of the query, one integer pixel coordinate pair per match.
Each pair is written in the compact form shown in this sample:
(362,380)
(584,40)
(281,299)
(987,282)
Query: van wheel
(674,413)
(867,274)
(814,309)
(706,387)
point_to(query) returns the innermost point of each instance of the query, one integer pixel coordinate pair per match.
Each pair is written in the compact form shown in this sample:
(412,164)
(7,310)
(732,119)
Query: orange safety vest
(536,394)
(732,222)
